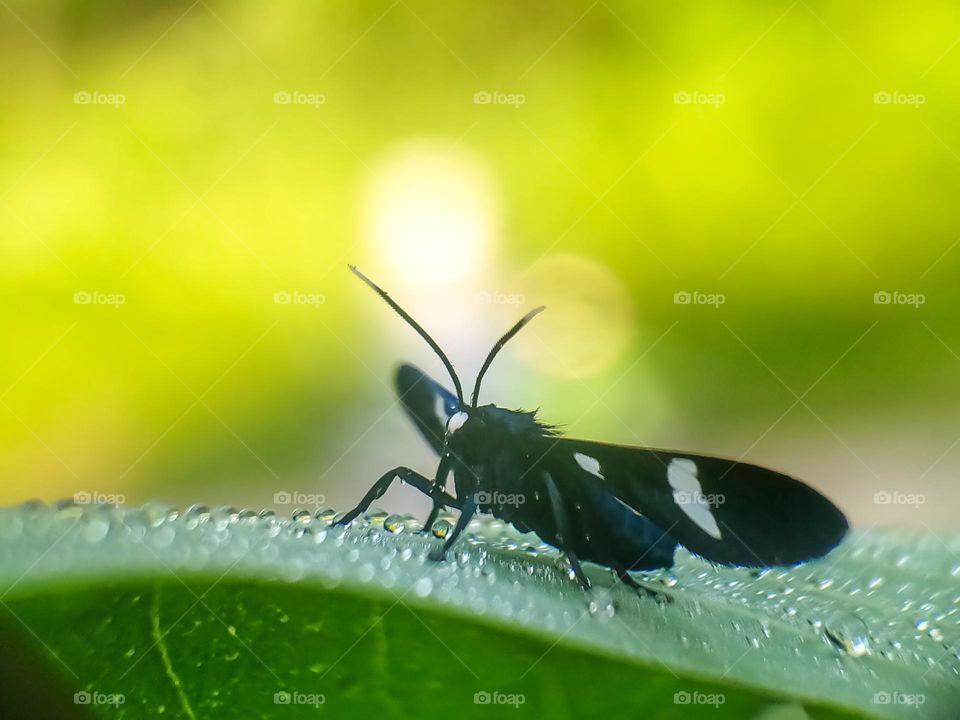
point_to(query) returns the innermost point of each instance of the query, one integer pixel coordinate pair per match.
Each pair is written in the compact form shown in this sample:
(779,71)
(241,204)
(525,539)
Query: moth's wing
(427,403)
(728,512)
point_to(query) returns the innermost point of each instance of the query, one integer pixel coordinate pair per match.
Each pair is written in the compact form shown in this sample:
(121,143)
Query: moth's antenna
(500,343)
(416,326)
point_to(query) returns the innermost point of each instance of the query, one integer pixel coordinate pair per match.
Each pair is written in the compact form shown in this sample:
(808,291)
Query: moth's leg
(562,524)
(441,498)
(466,513)
(437,488)
(432,517)
(578,571)
(408,476)
(629,581)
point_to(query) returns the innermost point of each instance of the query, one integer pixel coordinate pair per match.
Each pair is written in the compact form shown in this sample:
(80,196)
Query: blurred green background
(184,182)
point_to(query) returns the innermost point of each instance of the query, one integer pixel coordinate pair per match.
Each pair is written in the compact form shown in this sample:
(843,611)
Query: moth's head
(467,425)
(493,422)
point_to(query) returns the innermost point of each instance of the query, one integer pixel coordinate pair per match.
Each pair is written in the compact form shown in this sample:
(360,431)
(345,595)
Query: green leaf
(224,614)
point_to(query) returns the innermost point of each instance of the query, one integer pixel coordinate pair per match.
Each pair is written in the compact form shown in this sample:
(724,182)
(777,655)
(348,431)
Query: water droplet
(68,509)
(302,517)
(848,632)
(326,515)
(394,524)
(247,517)
(423,587)
(163,536)
(96,530)
(441,528)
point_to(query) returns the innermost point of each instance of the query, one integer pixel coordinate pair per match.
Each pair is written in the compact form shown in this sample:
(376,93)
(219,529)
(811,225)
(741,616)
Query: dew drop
(96,530)
(163,536)
(393,524)
(423,587)
(326,515)
(848,632)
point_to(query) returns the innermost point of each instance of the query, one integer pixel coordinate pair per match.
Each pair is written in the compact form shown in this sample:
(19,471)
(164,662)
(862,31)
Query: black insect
(626,508)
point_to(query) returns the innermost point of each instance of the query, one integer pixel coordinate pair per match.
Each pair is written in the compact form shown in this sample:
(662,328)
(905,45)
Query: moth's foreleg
(466,513)
(406,475)
(562,524)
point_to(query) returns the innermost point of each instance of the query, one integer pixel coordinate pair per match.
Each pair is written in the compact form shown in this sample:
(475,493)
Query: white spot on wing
(456,421)
(688,495)
(590,464)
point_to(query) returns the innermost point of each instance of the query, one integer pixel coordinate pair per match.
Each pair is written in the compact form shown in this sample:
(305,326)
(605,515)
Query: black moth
(626,508)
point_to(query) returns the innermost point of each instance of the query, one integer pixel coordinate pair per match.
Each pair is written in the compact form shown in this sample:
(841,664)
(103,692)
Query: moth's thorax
(477,435)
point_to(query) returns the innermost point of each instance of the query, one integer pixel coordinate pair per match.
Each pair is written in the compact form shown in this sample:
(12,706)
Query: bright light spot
(430,213)
(589,317)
